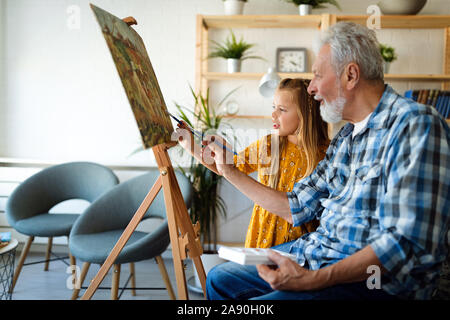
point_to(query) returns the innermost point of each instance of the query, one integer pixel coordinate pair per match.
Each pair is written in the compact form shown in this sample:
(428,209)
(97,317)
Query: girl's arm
(270,199)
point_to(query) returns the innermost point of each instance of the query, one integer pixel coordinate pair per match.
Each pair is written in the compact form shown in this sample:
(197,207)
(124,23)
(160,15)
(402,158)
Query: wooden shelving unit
(257,76)
(322,22)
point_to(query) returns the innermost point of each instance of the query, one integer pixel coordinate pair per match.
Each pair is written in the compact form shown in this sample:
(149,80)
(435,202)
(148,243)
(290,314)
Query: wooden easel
(184,237)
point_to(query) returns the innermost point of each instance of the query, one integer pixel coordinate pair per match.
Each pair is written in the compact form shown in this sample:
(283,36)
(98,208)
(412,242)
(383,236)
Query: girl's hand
(213,153)
(185,136)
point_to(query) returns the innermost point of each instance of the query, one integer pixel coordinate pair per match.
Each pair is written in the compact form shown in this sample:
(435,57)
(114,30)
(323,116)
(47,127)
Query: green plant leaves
(232,49)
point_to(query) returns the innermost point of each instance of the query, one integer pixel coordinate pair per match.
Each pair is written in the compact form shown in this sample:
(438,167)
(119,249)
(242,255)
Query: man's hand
(289,275)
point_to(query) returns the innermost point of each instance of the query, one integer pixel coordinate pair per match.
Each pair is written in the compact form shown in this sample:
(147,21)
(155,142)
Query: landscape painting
(138,78)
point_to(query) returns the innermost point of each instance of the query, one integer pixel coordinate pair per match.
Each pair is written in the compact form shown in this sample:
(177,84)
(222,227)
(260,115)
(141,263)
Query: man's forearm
(270,199)
(351,269)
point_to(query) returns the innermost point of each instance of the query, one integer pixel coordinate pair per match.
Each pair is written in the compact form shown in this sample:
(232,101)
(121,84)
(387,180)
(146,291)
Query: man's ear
(351,75)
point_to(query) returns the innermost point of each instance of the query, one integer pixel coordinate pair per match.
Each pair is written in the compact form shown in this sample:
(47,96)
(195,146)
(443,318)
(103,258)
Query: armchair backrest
(52,185)
(115,209)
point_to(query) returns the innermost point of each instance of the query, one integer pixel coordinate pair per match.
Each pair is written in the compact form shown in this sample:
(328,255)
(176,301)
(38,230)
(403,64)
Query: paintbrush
(199,134)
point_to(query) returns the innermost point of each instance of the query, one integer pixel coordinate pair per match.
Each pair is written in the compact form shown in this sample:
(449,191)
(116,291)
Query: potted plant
(388,54)
(207,205)
(305,6)
(232,50)
(233,7)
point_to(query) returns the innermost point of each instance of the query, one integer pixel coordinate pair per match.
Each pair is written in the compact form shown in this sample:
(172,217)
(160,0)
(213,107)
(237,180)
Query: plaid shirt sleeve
(414,214)
(304,199)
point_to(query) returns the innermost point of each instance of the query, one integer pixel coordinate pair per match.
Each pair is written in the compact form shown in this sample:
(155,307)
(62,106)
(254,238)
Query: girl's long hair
(312,134)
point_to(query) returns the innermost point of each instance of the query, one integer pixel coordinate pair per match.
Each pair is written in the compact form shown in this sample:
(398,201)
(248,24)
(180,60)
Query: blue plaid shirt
(388,187)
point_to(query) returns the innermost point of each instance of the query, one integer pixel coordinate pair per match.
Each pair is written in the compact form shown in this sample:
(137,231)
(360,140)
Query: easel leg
(173,231)
(123,240)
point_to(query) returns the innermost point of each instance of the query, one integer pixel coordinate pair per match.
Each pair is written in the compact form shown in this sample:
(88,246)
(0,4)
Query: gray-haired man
(382,193)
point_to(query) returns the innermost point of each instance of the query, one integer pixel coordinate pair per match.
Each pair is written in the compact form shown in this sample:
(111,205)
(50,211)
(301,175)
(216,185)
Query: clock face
(291,60)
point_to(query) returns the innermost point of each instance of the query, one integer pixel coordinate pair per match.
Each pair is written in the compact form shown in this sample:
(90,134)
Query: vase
(386,66)
(401,6)
(233,7)
(234,65)
(305,9)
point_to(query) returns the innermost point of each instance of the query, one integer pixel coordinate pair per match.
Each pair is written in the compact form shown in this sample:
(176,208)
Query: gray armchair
(27,208)
(94,235)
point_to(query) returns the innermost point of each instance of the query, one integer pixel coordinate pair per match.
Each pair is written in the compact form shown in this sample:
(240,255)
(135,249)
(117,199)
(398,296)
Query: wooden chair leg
(79,282)
(133,279)
(115,282)
(165,276)
(21,261)
(47,254)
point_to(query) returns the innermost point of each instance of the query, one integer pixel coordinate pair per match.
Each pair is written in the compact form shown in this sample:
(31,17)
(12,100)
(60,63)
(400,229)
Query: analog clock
(291,60)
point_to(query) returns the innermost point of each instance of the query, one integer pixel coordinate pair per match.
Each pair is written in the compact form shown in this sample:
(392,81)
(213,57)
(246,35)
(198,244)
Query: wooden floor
(36,284)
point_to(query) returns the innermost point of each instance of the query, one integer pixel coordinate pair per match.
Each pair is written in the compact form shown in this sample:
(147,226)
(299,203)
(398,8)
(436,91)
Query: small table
(7,258)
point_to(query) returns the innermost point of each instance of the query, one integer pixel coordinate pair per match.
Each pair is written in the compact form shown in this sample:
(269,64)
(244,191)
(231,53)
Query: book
(5,236)
(446,108)
(250,256)
(5,239)
(409,94)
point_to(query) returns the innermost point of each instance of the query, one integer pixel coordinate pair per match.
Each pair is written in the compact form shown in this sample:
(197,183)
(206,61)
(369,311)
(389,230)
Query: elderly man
(381,194)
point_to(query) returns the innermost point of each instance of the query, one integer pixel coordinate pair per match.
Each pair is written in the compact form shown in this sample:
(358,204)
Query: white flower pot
(209,260)
(233,7)
(233,65)
(305,9)
(386,66)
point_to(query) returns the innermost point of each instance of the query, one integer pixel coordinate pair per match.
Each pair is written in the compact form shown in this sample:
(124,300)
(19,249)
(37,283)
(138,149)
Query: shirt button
(291,164)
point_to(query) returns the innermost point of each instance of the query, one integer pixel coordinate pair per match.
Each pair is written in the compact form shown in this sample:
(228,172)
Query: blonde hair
(312,134)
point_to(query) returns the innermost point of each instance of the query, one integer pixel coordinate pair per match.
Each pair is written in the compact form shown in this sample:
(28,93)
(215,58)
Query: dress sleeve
(414,214)
(247,160)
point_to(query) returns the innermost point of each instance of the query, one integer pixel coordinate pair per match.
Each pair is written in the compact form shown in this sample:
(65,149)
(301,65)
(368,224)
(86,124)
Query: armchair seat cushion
(100,245)
(47,224)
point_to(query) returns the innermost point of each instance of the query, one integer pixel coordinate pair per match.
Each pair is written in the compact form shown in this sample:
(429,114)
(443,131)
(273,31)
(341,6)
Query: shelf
(251,76)
(246,117)
(262,21)
(314,21)
(257,76)
(418,77)
(403,21)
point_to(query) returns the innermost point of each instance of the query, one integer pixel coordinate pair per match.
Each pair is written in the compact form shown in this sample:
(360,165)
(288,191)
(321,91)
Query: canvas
(138,78)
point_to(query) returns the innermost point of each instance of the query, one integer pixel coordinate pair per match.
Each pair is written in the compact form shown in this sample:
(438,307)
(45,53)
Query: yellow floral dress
(267,229)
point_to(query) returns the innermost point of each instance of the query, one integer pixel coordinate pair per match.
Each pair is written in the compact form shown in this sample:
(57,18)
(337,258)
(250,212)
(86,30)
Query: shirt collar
(382,112)
(380,115)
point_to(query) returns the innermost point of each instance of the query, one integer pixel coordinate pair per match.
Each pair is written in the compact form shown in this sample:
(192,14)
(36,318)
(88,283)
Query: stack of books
(5,239)
(251,256)
(438,99)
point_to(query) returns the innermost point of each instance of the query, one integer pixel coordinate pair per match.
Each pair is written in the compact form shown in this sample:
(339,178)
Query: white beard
(331,112)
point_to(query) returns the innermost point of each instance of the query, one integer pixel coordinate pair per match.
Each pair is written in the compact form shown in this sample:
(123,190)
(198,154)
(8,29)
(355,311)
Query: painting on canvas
(138,78)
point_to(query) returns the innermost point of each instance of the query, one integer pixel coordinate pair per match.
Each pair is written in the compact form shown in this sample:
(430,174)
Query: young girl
(302,139)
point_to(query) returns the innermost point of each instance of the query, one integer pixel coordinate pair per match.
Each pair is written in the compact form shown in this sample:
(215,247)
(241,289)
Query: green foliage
(388,53)
(207,205)
(232,49)
(316,4)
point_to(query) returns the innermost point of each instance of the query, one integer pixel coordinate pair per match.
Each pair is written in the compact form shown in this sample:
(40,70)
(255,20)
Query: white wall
(63,100)
(2,69)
